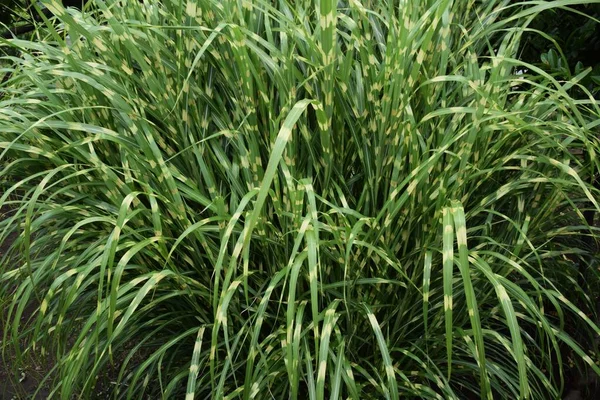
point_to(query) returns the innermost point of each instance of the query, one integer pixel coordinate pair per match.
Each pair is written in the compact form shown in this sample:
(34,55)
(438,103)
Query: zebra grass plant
(297,199)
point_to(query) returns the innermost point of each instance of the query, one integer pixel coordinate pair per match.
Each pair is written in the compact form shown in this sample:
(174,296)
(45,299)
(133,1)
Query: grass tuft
(330,199)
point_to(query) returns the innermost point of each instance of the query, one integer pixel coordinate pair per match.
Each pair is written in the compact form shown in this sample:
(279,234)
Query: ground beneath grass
(18,383)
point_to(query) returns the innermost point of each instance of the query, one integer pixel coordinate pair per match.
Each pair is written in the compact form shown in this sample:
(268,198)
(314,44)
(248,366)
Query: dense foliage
(354,199)
(564,42)
(8,12)
(16,12)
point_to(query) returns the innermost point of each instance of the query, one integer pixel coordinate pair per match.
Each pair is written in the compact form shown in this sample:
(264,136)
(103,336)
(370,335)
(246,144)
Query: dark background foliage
(576,31)
(17,14)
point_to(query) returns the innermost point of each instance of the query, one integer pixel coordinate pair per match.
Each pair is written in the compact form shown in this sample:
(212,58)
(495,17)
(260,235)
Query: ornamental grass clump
(297,199)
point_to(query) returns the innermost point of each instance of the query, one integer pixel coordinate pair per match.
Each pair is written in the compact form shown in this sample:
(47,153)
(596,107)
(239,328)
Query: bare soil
(18,382)
(23,381)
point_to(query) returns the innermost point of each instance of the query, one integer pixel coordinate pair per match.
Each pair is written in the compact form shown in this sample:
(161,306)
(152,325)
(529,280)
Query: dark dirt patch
(23,381)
